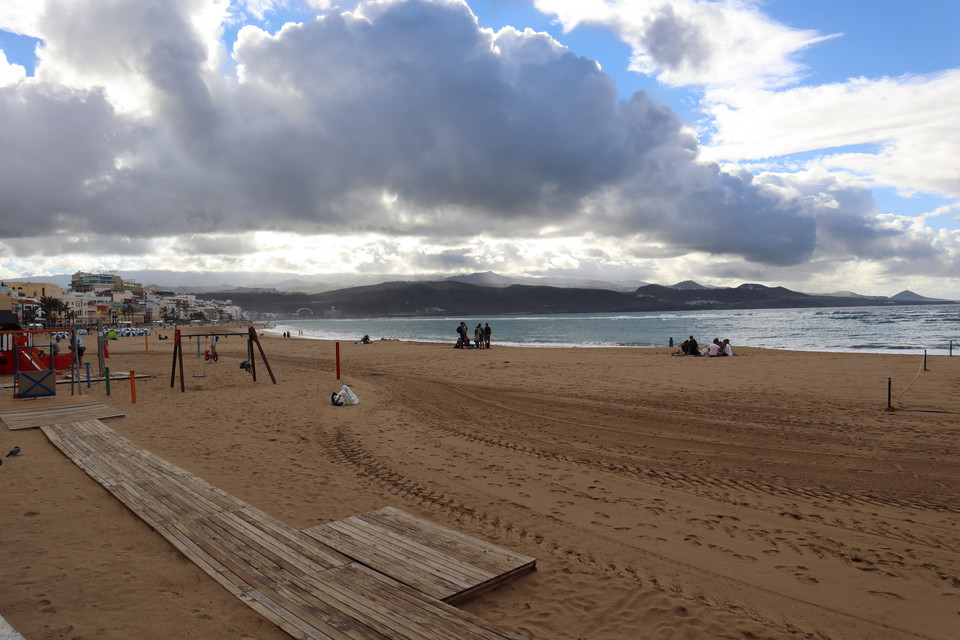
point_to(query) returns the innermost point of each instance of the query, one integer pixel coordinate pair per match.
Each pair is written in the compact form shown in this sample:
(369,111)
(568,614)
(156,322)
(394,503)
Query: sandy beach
(768,495)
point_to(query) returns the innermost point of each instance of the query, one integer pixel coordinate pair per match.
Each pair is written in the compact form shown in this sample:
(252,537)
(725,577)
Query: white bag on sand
(347,396)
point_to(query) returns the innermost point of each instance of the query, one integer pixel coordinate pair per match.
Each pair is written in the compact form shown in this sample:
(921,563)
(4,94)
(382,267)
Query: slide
(29,361)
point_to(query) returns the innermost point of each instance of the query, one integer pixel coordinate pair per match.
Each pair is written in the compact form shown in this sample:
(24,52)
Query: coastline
(768,494)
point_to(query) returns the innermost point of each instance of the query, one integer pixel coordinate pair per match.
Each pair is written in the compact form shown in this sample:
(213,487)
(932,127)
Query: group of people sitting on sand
(714,349)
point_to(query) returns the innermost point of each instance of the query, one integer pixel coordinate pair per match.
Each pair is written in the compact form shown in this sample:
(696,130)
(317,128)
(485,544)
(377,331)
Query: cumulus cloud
(10,73)
(404,123)
(696,42)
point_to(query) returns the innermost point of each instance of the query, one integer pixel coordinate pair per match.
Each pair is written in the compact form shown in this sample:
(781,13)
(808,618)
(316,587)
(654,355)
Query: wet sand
(768,495)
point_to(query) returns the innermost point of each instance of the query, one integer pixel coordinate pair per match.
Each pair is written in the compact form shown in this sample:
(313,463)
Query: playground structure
(248,365)
(34,369)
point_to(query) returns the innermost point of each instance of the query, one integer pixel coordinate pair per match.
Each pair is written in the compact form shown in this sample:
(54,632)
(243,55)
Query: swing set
(250,364)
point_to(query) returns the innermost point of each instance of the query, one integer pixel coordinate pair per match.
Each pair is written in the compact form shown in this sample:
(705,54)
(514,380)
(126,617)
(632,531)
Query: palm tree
(52,307)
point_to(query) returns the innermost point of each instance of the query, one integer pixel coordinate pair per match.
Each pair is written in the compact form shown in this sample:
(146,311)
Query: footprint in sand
(886,594)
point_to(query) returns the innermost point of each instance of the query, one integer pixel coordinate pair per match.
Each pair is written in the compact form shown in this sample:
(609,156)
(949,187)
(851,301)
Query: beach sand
(768,495)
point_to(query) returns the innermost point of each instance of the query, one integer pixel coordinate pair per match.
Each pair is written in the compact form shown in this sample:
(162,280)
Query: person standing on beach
(486,335)
(78,347)
(213,344)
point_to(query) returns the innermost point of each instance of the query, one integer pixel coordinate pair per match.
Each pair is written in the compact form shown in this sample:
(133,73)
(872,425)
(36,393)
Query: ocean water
(901,329)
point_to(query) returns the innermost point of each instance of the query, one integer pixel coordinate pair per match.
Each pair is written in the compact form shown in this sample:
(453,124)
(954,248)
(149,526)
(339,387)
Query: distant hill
(689,284)
(491,279)
(455,298)
(909,296)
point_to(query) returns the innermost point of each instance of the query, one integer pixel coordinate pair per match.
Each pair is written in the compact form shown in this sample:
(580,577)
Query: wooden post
(177,358)
(889,391)
(924,359)
(176,345)
(133,388)
(254,338)
(75,363)
(101,342)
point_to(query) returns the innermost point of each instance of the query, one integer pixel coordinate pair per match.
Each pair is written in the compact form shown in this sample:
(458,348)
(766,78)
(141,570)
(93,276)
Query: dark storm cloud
(409,120)
(56,146)
(673,42)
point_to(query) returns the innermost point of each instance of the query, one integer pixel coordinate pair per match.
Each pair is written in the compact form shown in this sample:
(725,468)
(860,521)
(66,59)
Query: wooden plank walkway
(438,561)
(305,586)
(21,414)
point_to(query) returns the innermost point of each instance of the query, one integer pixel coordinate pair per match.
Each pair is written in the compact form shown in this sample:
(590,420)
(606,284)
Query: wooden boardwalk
(20,414)
(380,575)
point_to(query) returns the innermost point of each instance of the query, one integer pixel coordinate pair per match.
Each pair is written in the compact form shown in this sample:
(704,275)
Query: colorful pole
(106,376)
(146,345)
(133,387)
(338,361)
(88,374)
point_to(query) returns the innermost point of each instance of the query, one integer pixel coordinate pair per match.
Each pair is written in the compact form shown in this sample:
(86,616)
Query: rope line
(914,378)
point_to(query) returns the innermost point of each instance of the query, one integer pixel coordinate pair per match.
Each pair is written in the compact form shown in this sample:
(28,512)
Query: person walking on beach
(478,337)
(486,335)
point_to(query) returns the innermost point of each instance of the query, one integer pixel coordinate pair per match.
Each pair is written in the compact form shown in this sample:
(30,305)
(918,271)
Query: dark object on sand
(14,452)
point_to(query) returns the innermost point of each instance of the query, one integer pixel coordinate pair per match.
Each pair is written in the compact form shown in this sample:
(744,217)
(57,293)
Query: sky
(813,145)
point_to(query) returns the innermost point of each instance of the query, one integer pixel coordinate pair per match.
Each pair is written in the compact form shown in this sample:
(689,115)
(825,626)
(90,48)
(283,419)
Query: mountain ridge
(454,297)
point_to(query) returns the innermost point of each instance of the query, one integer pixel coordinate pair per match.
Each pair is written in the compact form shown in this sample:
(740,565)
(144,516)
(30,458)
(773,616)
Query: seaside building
(82,282)
(35,289)
(94,297)
(7,316)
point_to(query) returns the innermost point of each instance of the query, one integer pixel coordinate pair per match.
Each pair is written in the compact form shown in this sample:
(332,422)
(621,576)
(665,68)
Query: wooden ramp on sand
(24,414)
(381,575)
(437,561)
